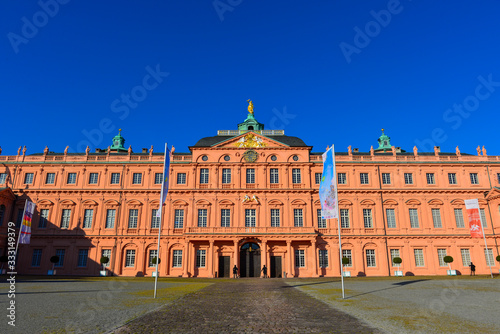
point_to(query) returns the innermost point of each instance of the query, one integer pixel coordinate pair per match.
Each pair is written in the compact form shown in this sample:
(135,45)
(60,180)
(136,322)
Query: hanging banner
(328,186)
(475,226)
(25,232)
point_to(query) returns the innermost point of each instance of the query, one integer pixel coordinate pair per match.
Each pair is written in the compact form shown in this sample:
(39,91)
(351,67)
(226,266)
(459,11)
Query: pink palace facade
(249,197)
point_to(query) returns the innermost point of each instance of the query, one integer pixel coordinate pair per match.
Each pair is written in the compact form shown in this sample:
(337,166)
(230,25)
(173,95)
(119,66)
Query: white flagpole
(338,221)
(486,254)
(161,215)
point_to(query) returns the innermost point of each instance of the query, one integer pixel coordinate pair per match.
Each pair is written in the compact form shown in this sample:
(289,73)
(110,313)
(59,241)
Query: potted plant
(153,260)
(346,261)
(448,259)
(397,260)
(104,261)
(3,259)
(54,259)
(497,258)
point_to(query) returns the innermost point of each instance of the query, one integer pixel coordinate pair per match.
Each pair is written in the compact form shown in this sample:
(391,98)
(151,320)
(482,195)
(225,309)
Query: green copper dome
(118,142)
(384,143)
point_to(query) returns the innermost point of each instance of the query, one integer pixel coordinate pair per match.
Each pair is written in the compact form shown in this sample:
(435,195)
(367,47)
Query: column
(235,256)
(185,260)
(290,257)
(315,258)
(210,259)
(264,255)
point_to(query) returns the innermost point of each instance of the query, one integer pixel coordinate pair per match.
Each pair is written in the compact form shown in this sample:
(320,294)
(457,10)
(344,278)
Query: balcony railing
(250,230)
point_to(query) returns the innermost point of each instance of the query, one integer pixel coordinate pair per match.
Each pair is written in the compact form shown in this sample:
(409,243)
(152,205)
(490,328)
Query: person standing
(472,269)
(264,271)
(235,272)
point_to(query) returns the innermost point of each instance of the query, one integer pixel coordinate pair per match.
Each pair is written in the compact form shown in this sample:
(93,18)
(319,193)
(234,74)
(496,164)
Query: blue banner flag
(328,186)
(166,170)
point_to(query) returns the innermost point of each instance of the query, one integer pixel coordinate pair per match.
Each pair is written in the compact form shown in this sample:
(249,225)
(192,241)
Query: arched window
(2,213)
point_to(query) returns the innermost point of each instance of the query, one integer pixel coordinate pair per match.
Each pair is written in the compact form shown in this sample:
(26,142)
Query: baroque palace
(249,197)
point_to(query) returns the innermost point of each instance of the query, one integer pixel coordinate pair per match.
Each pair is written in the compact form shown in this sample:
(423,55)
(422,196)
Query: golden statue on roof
(250,106)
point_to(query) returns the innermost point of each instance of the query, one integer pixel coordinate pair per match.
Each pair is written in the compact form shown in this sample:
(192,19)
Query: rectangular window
(177,258)
(345,221)
(367,218)
(250,175)
(391,218)
(386,178)
(498,177)
(298,219)
(65,218)
(3,178)
(153,253)
(226,175)
(60,254)
(436,218)
(275,218)
(465,257)
(204,176)
(44,215)
(37,258)
(107,253)
(296,178)
(452,178)
(483,218)
(202,217)
(87,218)
(159,178)
(430,178)
(274,176)
(50,178)
(408,178)
(370,258)
(300,258)
(414,218)
(200,258)
(459,218)
(348,254)
(394,253)
(473,178)
(250,218)
(321,220)
(317,178)
(110,218)
(133,218)
(71,178)
(130,258)
(179,218)
(93,178)
(441,255)
(28,178)
(323,258)
(115,178)
(419,257)
(155,221)
(19,220)
(181,178)
(83,255)
(137,178)
(488,254)
(363,178)
(225,218)
(341,178)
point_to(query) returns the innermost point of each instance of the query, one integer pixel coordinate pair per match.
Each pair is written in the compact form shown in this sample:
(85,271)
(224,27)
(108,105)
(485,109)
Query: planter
(103,273)
(451,272)
(347,274)
(398,273)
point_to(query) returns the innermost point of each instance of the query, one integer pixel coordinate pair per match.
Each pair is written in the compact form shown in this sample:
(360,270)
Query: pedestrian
(264,271)
(235,272)
(472,269)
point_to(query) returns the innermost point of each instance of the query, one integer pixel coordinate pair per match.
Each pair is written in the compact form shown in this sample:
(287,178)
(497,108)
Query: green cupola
(118,142)
(384,143)
(250,123)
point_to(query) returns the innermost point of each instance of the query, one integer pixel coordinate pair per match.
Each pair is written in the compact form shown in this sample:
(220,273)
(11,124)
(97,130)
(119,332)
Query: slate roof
(287,140)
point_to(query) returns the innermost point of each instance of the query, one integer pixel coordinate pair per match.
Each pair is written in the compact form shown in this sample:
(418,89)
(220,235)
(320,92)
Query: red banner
(475,226)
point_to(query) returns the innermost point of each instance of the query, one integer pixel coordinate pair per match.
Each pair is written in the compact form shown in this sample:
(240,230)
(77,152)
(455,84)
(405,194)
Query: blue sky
(73,72)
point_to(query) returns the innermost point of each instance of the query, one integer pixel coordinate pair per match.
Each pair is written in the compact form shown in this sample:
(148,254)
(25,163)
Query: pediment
(249,140)
(494,193)
(390,202)
(435,201)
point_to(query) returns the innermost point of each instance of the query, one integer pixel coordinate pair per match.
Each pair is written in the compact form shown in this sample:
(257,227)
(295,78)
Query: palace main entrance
(250,260)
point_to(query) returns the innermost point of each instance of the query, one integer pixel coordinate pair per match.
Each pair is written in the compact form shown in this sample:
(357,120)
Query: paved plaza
(372,305)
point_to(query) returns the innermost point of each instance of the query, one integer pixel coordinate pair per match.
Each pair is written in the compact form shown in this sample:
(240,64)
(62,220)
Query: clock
(250,156)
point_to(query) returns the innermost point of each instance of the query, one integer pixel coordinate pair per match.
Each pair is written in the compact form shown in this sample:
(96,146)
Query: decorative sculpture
(484,151)
(457,152)
(415,150)
(250,106)
(478,149)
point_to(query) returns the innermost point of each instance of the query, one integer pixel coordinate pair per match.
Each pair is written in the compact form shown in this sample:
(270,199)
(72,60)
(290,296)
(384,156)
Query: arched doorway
(250,260)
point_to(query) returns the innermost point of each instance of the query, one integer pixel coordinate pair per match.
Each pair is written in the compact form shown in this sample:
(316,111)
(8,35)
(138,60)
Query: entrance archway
(250,260)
